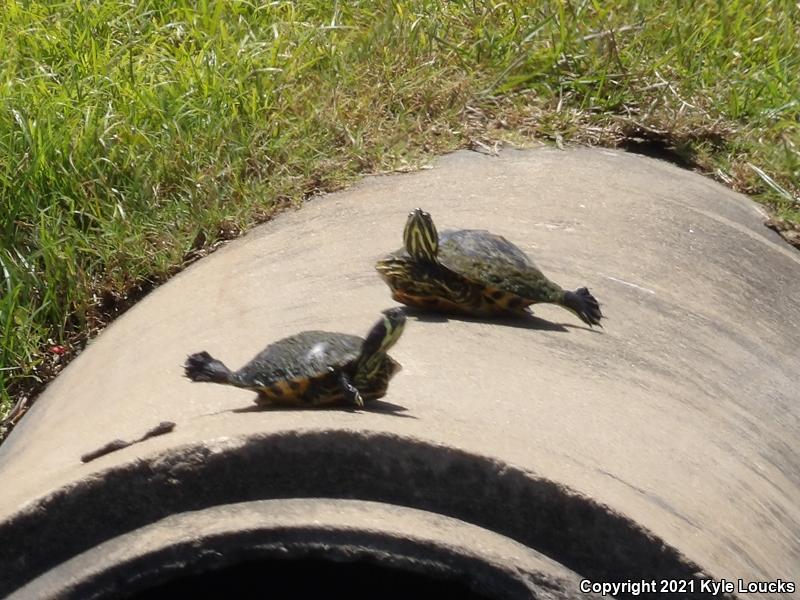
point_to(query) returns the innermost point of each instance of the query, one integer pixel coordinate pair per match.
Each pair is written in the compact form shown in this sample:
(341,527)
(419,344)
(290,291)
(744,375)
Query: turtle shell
(301,366)
(462,246)
(490,260)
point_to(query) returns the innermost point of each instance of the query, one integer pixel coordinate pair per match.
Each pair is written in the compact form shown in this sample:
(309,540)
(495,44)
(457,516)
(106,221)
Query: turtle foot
(584,305)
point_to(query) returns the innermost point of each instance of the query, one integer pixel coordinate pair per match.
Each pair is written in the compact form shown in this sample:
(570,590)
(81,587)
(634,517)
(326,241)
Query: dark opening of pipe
(309,578)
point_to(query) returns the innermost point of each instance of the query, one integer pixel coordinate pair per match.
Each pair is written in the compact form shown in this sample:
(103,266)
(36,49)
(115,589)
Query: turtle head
(385,333)
(374,363)
(420,236)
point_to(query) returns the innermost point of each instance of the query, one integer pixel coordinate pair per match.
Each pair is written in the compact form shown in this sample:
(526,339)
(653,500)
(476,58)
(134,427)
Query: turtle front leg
(351,393)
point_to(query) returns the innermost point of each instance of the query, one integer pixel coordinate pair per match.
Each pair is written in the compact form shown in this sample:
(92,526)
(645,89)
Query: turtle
(473,272)
(314,368)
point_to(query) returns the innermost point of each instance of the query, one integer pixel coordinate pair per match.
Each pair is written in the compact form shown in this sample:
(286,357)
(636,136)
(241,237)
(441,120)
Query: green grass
(135,135)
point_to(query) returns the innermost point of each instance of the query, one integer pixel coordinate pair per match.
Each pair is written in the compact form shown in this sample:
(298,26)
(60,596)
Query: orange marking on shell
(284,392)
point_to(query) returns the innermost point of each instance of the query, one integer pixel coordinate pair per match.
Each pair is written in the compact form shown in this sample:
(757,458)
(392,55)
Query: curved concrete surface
(340,529)
(664,446)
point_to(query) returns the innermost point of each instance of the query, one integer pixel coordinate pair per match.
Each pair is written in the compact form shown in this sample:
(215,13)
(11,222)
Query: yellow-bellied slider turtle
(473,272)
(314,368)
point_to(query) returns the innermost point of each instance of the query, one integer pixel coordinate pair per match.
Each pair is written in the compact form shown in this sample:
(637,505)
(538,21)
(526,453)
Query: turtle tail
(583,304)
(201,366)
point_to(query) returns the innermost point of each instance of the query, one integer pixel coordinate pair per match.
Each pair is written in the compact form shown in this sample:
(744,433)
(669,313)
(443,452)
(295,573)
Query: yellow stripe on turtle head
(383,335)
(420,237)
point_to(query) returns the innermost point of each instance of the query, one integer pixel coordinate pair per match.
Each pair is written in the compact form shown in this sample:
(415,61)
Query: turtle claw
(351,392)
(584,305)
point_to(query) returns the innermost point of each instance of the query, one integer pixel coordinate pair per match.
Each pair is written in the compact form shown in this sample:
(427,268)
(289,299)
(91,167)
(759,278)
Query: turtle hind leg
(201,366)
(584,305)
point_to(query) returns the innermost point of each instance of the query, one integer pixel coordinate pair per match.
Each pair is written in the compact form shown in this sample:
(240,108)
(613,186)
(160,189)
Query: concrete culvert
(509,459)
(360,547)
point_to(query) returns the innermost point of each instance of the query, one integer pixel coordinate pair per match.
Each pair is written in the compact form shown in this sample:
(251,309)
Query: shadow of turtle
(526,322)
(371,406)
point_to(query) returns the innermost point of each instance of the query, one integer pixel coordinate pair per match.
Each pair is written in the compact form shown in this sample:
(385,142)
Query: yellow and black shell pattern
(305,369)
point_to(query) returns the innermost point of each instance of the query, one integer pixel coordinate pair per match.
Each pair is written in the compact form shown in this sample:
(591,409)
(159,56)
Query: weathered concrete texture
(681,415)
(585,537)
(390,536)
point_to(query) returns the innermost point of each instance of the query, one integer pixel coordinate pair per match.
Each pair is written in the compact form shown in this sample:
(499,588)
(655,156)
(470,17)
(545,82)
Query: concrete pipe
(510,459)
